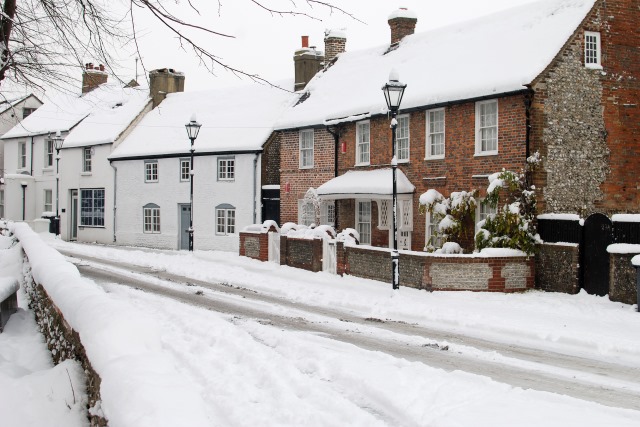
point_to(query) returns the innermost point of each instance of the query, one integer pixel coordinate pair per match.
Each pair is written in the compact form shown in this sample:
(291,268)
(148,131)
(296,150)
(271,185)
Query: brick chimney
(92,77)
(402,23)
(335,43)
(163,81)
(307,62)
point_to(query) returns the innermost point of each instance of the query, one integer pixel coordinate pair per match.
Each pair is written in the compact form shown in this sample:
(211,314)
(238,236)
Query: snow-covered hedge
(123,345)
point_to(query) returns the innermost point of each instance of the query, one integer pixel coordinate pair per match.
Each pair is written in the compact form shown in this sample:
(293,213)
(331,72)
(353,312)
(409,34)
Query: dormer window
(592,55)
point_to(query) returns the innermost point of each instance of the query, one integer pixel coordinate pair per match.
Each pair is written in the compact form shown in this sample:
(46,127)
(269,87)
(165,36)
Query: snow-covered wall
(120,343)
(169,193)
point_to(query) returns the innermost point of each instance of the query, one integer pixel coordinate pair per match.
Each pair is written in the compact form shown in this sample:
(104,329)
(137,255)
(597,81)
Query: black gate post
(597,235)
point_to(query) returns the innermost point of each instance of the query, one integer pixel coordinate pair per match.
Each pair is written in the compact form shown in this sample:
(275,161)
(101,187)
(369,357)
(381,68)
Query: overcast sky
(265,44)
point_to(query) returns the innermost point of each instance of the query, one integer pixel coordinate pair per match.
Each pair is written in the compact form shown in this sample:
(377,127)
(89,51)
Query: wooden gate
(597,235)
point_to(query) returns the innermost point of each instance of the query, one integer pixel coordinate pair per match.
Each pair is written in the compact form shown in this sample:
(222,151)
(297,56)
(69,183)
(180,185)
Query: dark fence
(626,232)
(557,230)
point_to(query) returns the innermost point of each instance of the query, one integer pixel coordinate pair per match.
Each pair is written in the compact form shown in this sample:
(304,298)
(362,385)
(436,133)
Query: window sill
(151,232)
(152,182)
(47,169)
(593,66)
(305,167)
(226,180)
(85,173)
(486,153)
(426,159)
(362,164)
(82,227)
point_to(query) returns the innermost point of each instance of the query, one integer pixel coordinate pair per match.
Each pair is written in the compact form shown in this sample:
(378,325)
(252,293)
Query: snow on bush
(513,224)
(289,226)
(321,231)
(349,236)
(451,213)
(450,248)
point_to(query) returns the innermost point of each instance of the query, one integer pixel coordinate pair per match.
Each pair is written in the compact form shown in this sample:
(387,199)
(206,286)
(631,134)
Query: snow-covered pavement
(298,348)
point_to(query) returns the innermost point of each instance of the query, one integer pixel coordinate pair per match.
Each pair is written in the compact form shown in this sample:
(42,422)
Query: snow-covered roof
(372,183)
(491,55)
(233,119)
(64,111)
(8,103)
(113,111)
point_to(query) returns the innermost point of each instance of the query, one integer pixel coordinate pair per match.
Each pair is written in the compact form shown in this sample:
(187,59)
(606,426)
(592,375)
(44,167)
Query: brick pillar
(335,43)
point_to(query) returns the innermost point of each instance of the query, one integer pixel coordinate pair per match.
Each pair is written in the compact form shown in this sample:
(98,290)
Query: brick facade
(254,245)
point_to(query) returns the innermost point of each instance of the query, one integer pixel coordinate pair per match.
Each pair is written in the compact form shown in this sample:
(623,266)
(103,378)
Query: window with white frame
(435,134)
(363,144)
(226,168)
(592,56)
(22,155)
(92,207)
(86,159)
(363,221)
(48,201)
(483,212)
(432,237)
(306,149)
(402,139)
(328,213)
(151,171)
(1,203)
(185,169)
(487,127)
(48,153)
(306,212)
(151,218)
(225,219)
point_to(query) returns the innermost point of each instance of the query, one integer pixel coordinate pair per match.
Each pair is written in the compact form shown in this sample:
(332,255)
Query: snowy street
(265,342)
(255,343)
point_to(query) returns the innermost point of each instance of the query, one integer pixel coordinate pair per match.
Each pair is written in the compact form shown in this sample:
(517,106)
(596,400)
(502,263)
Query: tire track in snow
(542,370)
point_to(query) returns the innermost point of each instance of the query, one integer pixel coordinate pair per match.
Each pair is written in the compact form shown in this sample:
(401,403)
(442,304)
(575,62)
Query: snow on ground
(251,373)
(33,392)
(573,324)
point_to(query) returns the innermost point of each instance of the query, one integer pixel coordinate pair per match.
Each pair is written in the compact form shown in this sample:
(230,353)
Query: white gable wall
(133,194)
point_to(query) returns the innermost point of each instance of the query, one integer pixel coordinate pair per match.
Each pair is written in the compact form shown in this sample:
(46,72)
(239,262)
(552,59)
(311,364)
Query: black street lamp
(57,143)
(193,127)
(393,92)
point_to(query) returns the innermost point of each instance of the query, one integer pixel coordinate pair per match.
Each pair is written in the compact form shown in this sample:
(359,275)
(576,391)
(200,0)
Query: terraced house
(556,76)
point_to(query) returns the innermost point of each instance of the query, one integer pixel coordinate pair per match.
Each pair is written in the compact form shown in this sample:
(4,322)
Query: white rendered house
(153,168)
(12,111)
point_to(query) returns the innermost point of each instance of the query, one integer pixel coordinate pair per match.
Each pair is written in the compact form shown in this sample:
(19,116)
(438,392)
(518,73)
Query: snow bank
(560,216)
(625,218)
(321,231)
(123,345)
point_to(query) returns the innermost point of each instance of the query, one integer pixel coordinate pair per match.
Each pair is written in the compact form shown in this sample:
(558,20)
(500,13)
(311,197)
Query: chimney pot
(101,67)
(305,41)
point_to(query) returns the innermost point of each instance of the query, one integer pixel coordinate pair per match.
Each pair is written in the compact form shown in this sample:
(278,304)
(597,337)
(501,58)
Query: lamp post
(57,143)
(393,91)
(193,127)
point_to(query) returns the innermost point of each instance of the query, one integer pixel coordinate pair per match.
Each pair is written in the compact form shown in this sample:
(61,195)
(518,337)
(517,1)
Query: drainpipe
(335,131)
(255,184)
(115,187)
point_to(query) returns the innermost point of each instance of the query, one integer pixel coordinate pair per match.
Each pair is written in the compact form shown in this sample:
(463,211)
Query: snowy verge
(121,343)
(8,285)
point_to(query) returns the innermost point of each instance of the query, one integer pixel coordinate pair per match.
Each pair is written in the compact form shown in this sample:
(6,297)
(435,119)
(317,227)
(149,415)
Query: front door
(185,215)
(595,258)
(73,226)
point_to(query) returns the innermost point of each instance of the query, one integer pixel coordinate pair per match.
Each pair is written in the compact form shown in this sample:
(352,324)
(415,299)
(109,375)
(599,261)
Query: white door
(274,247)
(329,258)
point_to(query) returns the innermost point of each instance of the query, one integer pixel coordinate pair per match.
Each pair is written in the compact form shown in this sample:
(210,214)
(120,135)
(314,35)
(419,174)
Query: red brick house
(561,77)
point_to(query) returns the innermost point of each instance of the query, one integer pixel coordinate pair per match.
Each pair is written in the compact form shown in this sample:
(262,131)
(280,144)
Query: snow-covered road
(351,336)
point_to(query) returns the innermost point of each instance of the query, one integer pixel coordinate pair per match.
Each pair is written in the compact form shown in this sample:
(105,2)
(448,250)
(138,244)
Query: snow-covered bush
(513,224)
(451,213)
(349,237)
(450,248)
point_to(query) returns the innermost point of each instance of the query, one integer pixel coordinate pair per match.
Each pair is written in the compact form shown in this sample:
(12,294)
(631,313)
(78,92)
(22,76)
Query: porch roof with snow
(234,119)
(368,184)
(489,56)
(105,112)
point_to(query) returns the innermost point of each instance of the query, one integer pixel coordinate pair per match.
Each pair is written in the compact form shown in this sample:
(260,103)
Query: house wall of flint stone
(585,121)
